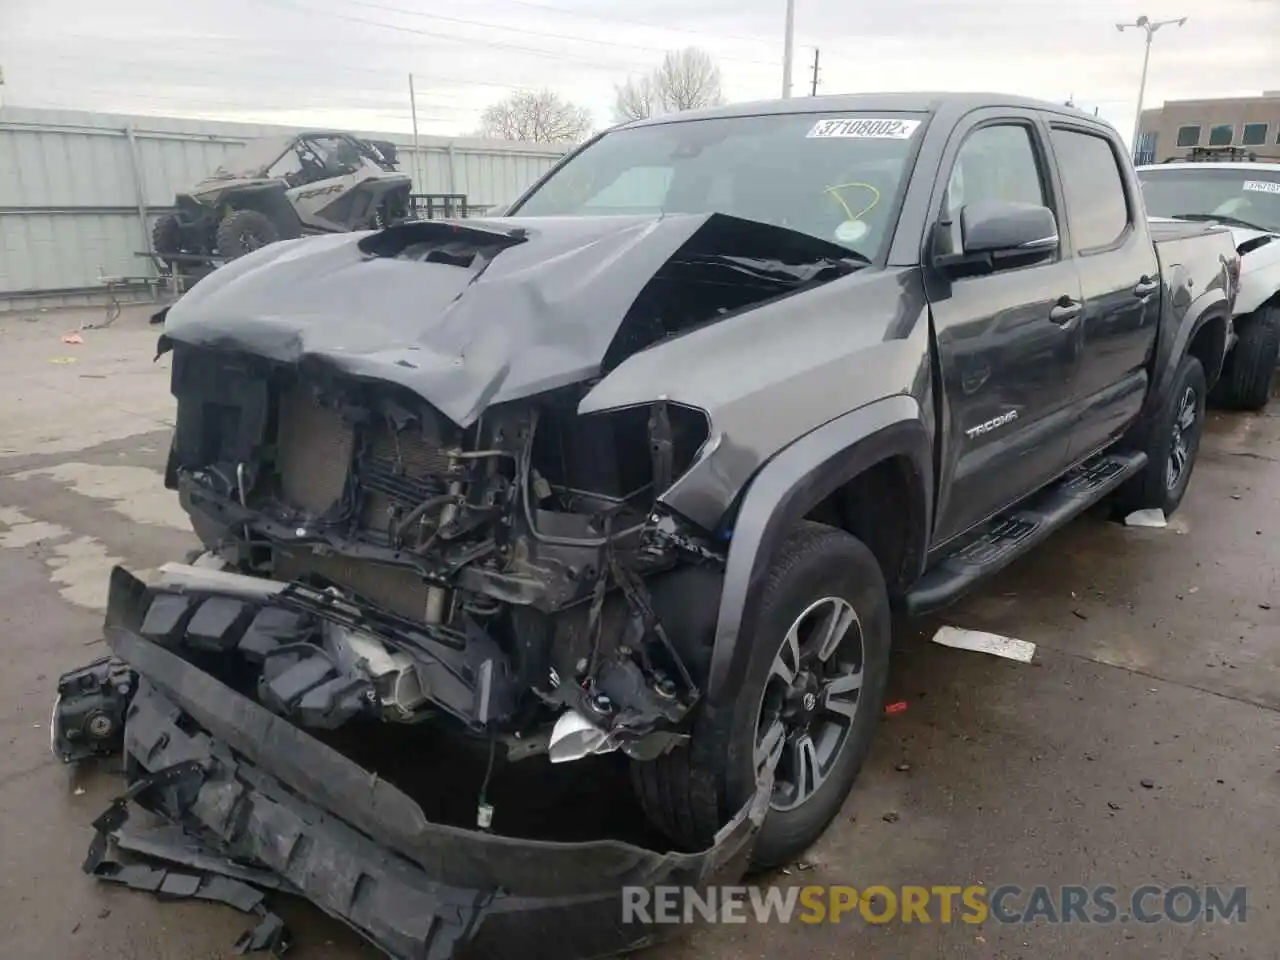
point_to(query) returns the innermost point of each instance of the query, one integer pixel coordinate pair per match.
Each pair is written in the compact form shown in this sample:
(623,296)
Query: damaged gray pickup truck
(632,475)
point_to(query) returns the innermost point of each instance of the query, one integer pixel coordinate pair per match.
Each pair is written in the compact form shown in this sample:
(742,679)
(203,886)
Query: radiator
(313,451)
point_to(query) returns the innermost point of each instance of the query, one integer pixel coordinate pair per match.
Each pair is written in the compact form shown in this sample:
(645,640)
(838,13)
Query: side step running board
(1012,534)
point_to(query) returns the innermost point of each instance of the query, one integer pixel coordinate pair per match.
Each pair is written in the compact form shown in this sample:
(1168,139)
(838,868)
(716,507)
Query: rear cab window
(1098,207)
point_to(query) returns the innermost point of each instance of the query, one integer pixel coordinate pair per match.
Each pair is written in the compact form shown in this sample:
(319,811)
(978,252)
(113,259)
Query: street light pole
(1149,26)
(788,49)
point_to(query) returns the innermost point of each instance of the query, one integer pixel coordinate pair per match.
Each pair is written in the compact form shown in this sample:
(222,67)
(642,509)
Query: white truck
(1240,190)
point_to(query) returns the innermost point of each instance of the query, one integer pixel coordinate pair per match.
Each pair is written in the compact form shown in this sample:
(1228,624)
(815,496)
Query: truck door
(1008,341)
(1119,278)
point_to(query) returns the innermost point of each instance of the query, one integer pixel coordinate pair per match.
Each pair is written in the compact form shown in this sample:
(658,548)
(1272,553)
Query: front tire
(809,702)
(1251,365)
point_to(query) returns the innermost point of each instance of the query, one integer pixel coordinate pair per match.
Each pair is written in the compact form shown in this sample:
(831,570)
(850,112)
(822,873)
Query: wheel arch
(271,201)
(1208,344)
(810,477)
(1211,313)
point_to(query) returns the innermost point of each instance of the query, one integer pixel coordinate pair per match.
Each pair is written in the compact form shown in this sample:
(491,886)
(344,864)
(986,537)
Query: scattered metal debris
(979,642)
(1147,518)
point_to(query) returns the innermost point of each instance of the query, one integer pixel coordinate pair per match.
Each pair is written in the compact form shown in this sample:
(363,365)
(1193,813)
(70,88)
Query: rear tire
(166,236)
(1173,445)
(1251,365)
(243,231)
(820,723)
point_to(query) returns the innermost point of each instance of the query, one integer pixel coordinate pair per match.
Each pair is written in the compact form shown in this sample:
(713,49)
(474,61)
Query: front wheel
(243,231)
(808,703)
(1173,445)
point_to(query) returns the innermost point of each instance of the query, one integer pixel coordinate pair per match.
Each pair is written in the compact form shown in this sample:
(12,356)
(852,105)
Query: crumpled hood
(537,309)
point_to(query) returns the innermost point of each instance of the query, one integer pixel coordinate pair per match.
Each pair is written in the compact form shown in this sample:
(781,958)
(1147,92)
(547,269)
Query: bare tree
(637,99)
(541,117)
(688,79)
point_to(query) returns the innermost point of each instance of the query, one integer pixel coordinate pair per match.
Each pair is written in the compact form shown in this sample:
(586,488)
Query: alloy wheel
(810,700)
(1179,448)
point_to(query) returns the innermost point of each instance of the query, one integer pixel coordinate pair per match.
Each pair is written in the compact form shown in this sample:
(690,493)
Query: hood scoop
(1255,243)
(441,241)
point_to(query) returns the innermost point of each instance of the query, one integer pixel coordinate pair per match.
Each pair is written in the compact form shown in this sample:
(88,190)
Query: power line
(227,105)
(640,23)
(451,38)
(538,33)
(238,71)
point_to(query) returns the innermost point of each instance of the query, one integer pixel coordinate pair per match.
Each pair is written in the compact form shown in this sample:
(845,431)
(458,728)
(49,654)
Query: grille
(313,454)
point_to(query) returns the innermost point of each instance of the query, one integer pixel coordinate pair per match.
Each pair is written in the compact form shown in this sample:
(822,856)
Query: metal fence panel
(76,188)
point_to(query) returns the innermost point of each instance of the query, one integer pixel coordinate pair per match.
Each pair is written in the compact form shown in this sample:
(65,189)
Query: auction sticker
(1261,186)
(864,128)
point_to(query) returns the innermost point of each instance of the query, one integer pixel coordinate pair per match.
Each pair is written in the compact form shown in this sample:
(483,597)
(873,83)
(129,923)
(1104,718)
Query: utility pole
(413,110)
(788,51)
(813,90)
(1149,26)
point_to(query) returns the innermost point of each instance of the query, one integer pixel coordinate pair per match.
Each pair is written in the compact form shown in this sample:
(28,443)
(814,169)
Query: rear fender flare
(1209,306)
(790,485)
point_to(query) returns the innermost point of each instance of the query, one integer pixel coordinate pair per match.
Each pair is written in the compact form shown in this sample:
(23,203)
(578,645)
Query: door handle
(1146,286)
(1065,310)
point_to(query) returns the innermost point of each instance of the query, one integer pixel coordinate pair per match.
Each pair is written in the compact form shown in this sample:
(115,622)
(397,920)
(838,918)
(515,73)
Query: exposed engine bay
(498,574)
(513,575)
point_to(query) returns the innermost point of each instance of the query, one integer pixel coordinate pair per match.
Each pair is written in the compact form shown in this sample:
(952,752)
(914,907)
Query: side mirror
(996,234)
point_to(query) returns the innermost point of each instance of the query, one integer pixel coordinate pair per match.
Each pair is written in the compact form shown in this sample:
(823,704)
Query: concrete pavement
(1158,662)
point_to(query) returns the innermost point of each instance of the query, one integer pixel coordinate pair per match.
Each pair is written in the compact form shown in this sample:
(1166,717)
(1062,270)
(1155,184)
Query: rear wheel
(166,236)
(808,704)
(243,231)
(1173,445)
(1251,365)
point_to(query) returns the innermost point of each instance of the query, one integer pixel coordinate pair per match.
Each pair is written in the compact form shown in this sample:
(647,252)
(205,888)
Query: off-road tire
(689,793)
(243,231)
(1250,367)
(166,236)
(1150,489)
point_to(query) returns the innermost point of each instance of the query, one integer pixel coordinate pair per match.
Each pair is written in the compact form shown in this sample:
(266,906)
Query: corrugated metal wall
(73,200)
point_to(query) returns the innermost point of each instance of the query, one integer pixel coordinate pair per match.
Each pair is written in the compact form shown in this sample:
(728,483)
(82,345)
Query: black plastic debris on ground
(216,879)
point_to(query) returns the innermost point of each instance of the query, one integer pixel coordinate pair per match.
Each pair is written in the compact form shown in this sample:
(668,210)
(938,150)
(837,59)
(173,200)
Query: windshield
(831,176)
(252,159)
(1243,196)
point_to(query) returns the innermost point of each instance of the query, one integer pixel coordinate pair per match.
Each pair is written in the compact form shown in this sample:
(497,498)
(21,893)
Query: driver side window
(995,163)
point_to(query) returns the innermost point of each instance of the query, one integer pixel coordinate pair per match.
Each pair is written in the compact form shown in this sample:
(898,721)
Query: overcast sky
(346,62)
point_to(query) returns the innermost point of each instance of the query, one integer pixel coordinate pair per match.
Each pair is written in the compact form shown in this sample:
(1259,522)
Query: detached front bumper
(270,795)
